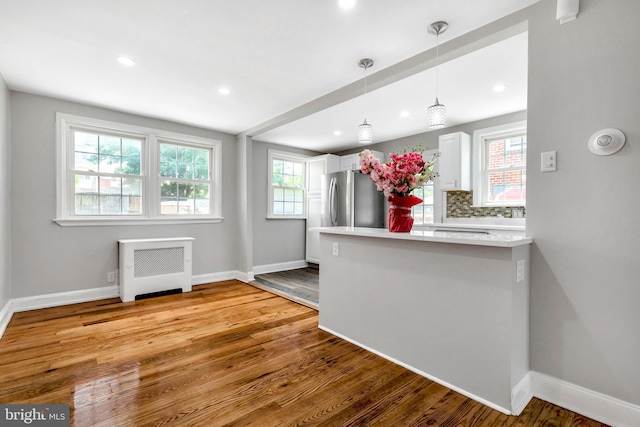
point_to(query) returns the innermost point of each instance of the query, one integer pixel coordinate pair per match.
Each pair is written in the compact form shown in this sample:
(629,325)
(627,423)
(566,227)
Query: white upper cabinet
(318,166)
(455,162)
(352,161)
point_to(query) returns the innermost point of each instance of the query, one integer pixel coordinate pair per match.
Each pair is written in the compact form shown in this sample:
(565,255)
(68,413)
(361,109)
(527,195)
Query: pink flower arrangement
(403,174)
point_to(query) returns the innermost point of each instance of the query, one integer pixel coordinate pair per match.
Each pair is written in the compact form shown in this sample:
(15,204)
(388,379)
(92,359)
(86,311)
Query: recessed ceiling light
(128,62)
(499,88)
(347,4)
(224,91)
(337,133)
(404,114)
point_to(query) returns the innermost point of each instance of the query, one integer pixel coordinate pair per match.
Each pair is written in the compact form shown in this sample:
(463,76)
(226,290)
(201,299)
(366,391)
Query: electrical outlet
(520,271)
(111,276)
(336,249)
(548,161)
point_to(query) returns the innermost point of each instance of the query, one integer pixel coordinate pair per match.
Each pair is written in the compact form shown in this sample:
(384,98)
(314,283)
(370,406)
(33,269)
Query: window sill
(96,222)
(286,217)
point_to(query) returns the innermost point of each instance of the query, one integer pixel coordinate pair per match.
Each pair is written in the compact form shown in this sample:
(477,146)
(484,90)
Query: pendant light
(365,134)
(437,117)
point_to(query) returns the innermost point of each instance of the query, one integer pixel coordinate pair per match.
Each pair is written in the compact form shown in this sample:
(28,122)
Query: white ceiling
(274,56)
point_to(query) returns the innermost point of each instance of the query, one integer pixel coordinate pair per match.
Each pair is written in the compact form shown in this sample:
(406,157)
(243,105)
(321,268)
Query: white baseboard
(521,394)
(5,316)
(419,372)
(592,404)
(201,279)
(64,298)
(281,266)
(245,277)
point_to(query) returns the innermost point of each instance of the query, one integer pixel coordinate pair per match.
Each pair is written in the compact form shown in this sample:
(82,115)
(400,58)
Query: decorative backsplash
(459,206)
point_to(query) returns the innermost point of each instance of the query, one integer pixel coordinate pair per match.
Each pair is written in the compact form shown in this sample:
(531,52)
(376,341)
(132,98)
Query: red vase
(400,219)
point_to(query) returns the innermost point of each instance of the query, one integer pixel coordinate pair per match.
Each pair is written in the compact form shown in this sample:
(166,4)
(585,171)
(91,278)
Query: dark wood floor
(300,285)
(224,354)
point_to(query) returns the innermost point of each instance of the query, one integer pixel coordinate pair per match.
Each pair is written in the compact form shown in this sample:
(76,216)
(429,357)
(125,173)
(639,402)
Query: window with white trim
(423,213)
(116,173)
(287,185)
(500,166)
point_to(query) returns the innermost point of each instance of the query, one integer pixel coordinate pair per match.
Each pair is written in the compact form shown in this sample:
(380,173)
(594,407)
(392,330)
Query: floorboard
(300,285)
(224,354)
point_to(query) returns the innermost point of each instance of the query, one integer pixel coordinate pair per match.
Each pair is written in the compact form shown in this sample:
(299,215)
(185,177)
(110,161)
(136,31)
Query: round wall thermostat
(606,141)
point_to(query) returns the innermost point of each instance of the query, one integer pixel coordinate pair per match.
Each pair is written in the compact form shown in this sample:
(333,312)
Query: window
(500,177)
(110,173)
(287,186)
(185,184)
(424,212)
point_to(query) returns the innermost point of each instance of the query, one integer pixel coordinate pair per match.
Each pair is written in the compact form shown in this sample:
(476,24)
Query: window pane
(185,155)
(109,145)
(428,214)
(168,153)
(288,208)
(201,172)
(298,209)
(168,169)
(85,142)
(109,164)
(86,195)
(185,170)
(278,195)
(86,162)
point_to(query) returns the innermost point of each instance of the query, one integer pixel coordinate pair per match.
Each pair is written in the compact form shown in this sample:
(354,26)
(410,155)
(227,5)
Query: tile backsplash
(459,205)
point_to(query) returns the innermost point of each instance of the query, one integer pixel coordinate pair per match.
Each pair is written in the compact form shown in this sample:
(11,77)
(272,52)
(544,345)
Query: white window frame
(292,157)
(149,169)
(480,183)
(427,156)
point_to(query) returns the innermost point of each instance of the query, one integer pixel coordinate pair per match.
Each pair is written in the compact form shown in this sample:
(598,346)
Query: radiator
(154,265)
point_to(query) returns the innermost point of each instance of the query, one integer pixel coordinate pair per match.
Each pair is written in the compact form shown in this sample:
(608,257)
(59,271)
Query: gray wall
(47,258)
(585,272)
(5,200)
(274,240)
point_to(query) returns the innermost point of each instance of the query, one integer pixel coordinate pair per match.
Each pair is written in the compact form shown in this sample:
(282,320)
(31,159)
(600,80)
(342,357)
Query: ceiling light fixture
(337,133)
(404,114)
(499,88)
(224,91)
(347,4)
(127,62)
(437,113)
(365,134)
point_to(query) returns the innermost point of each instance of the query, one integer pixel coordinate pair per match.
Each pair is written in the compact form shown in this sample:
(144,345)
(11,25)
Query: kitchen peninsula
(452,306)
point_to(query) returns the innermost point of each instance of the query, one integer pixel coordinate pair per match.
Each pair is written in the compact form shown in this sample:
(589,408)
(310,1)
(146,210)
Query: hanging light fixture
(437,115)
(365,134)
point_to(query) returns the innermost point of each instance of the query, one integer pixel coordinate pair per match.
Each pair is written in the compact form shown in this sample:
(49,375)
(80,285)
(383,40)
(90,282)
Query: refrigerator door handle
(333,202)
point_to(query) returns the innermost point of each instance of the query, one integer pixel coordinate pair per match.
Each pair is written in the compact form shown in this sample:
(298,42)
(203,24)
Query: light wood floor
(225,354)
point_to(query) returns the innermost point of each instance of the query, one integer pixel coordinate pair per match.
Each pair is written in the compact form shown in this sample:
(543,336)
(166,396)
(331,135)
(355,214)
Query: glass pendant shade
(365,133)
(437,116)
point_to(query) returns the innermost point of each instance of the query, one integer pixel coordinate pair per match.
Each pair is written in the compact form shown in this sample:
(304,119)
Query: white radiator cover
(154,265)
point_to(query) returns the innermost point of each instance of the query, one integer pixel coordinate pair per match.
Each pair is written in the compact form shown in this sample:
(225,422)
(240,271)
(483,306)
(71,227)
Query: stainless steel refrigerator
(350,198)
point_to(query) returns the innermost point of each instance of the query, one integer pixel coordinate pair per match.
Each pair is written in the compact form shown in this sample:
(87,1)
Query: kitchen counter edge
(461,238)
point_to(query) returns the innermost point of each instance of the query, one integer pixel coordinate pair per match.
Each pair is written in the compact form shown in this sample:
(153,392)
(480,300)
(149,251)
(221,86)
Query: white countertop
(462,238)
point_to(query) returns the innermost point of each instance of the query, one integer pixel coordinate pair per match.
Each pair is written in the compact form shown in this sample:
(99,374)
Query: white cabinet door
(313,237)
(318,166)
(454,162)
(352,161)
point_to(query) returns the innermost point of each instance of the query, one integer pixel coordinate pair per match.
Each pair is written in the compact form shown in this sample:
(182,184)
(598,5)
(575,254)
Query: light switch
(548,161)
(336,249)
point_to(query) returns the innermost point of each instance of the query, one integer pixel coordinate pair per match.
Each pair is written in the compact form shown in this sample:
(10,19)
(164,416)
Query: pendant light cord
(437,62)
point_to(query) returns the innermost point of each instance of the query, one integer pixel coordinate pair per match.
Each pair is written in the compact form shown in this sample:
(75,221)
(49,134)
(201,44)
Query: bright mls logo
(34,415)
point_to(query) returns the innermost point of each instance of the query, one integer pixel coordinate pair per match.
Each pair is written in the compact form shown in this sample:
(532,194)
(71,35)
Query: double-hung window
(500,168)
(423,213)
(287,185)
(112,173)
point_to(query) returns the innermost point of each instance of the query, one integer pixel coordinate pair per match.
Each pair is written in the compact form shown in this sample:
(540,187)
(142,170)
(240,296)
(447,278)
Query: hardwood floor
(225,354)
(300,285)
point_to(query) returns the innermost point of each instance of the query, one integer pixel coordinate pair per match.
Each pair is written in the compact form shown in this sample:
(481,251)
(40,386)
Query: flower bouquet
(397,179)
